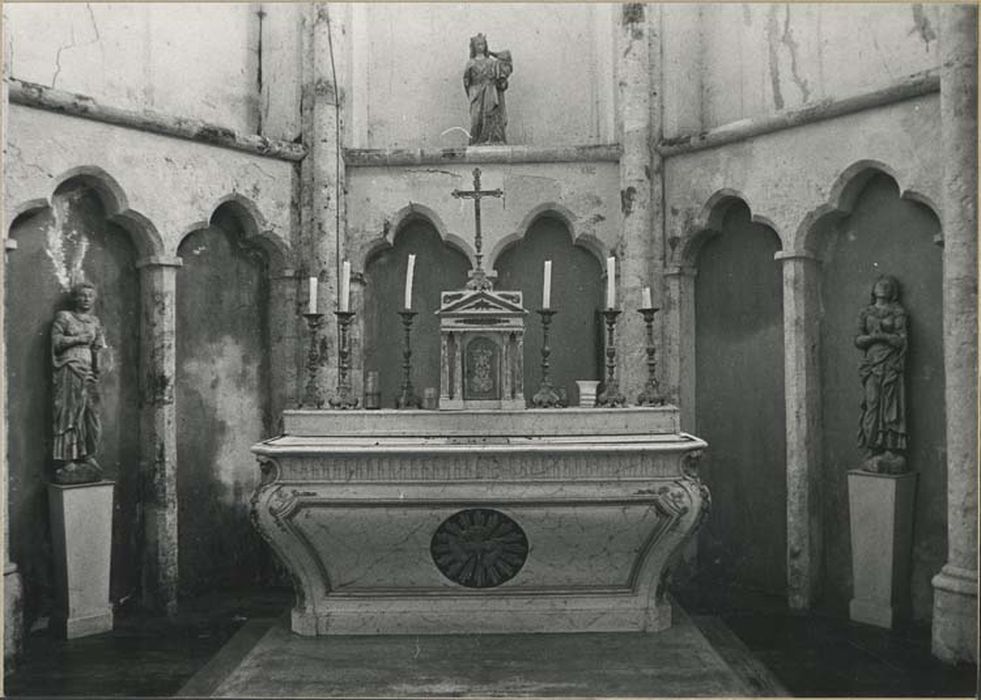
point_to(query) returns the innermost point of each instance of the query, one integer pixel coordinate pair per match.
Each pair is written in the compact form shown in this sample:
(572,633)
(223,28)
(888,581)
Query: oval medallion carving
(479,548)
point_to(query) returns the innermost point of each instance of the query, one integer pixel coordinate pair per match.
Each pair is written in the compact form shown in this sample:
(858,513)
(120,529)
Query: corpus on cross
(478,279)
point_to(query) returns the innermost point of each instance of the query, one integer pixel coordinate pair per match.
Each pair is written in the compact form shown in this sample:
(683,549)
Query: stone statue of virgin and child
(882,335)
(77,339)
(485,80)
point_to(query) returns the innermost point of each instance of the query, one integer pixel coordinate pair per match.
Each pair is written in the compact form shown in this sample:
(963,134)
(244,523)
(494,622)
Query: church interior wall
(199,63)
(730,62)
(407,74)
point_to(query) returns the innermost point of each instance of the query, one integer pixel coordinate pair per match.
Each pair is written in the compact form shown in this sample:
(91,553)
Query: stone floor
(769,649)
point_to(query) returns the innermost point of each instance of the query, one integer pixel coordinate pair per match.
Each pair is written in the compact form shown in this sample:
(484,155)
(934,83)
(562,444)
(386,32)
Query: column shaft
(801,298)
(955,587)
(158,433)
(638,72)
(678,356)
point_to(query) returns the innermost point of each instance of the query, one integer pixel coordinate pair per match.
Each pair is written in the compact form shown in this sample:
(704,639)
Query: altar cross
(476,194)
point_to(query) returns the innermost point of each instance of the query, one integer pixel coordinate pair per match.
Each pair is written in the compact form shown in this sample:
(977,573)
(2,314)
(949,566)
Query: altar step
(678,662)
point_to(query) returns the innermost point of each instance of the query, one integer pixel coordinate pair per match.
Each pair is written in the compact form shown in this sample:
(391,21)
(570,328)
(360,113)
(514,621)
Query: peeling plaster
(65,246)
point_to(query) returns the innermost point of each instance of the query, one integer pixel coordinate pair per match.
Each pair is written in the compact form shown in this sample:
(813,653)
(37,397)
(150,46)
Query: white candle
(312,301)
(611,283)
(409,273)
(346,286)
(647,298)
(547,288)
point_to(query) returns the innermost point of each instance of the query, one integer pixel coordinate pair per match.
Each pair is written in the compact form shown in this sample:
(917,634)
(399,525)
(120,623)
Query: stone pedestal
(81,538)
(881,516)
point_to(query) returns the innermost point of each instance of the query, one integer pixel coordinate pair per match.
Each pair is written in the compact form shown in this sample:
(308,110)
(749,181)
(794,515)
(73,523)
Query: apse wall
(143,56)
(408,60)
(732,61)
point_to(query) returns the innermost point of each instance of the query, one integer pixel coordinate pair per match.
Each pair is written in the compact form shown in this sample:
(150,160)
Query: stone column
(285,344)
(801,299)
(677,359)
(158,432)
(13,618)
(322,171)
(642,240)
(955,612)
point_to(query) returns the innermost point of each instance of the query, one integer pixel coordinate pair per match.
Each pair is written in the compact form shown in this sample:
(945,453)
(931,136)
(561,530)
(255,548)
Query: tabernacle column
(955,599)
(641,243)
(158,432)
(801,280)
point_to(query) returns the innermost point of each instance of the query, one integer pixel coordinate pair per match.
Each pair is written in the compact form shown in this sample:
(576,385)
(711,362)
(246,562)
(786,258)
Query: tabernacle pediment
(480,302)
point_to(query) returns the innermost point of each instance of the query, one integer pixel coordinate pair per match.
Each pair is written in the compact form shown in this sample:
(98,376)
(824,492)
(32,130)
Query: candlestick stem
(651,395)
(344,398)
(546,396)
(408,398)
(313,396)
(611,397)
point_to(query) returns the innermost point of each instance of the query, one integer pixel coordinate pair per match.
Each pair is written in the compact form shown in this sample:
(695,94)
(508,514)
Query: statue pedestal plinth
(881,518)
(81,537)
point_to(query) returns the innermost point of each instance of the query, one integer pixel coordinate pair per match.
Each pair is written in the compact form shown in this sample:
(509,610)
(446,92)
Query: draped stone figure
(882,335)
(485,79)
(76,341)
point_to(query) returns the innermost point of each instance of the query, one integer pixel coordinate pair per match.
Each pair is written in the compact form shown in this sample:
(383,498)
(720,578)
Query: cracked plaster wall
(195,60)
(750,60)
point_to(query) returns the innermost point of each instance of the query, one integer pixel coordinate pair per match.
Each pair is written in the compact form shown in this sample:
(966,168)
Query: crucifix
(478,279)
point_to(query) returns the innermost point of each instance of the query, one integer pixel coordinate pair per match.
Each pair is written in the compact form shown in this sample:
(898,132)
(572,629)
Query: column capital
(680,271)
(797,255)
(9,244)
(159,261)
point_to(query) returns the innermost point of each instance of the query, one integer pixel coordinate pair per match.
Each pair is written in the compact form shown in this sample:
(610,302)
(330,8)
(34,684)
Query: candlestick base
(651,395)
(313,396)
(547,397)
(343,398)
(611,397)
(407,399)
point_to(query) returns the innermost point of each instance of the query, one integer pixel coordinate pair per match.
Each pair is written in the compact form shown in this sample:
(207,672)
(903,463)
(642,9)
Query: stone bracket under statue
(472,521)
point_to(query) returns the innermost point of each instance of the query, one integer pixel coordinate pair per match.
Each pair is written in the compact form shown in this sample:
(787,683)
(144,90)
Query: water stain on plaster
(627,197)
(65,246)
(922,26)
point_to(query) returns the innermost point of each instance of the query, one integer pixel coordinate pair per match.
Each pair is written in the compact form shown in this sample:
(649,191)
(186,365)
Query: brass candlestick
(651,395)
(344,399)
(611,397)
(546,396)
(313,397)
(408,398)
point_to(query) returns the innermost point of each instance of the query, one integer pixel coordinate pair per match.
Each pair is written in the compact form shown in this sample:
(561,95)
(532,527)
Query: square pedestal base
(81,537)
(881,517)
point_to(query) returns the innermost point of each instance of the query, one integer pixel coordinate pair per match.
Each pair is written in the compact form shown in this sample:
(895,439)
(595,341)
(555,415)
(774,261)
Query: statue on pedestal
(485,79)
(882,329)
(76,341)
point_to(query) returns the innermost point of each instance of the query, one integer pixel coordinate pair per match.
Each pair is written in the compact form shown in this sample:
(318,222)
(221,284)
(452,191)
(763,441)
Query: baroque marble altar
(479,521)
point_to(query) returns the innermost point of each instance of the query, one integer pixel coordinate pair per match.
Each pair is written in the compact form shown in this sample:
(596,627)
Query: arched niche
(577,295)
(882,234)
(739,402)
(57,246)
(222,403)
(439,267)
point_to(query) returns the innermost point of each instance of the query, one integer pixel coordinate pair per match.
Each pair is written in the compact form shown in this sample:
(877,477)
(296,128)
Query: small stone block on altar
(81,538)
(881,518)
